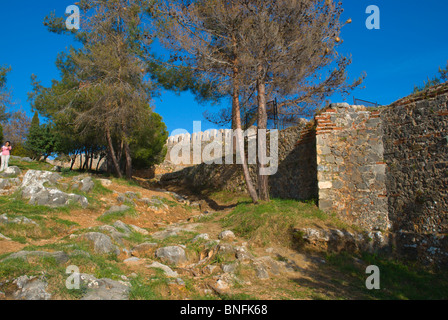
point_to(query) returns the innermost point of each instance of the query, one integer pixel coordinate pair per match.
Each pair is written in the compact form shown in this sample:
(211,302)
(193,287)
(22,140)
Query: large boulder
(60,256)
(173,255)
(33,188)
(83,184)
(31,288)
(8,183)
(102,243)
(11,171)
(104,289)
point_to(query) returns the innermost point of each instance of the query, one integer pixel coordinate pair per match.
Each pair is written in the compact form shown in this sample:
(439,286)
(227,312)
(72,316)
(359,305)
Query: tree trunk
(91,162)
(86,161)
(236,116)
(112,152)
(262,120)
(73,161)
(127,152)
(101,157)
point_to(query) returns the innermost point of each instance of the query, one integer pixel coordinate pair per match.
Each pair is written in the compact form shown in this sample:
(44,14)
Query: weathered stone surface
(33,189)
(155,203)
(261,271)
(168,271)
(60,256)
(243,255)
(2,237)
(132,260)
(173,255)
(11,171)
(203,236)
(162,235)
(102,243)
(31,288)
(116,209)
(87,184)
(226,235)
(122,226)
(9,183)
(139,230)
(229,268)
(104,289)
(4,219)
(295,178)
(350,168)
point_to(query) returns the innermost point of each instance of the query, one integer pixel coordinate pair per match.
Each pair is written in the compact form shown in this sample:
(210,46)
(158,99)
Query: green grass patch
(131,212)
(148,289)
(273,222)
(398,280)
(227,197)
(35,165)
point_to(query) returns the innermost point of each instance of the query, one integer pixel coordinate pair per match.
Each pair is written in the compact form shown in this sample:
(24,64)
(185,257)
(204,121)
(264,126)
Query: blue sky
(410,46)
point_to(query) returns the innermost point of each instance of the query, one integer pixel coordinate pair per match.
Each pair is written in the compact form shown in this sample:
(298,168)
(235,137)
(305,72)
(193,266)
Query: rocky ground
(132,240)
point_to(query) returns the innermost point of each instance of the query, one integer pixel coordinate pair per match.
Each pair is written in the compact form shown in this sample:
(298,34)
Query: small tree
(442,77)
(283,49)
(42,141)
(4,92)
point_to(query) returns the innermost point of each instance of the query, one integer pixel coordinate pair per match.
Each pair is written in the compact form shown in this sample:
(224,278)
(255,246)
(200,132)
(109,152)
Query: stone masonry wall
(296,177)
(416,152)
(351,168)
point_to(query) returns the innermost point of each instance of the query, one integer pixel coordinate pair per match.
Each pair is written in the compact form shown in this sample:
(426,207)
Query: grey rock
(31,288)
(102,243)
(139,230)
(60,256)
(261,271)
(8,183)
(242,254)
(33,189)
(203,236)
(131,195)
(2,237)
(229,268)
(116,209)
(168,271)
(123,226)
(87,184)
(17,220)
(162,235)
(104,289)
(174,255)
(226,235)
(11,171)
(226,248)
(57,169)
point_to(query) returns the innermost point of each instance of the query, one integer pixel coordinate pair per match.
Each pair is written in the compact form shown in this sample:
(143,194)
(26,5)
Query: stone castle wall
(351,167)
(381,169)
(295,178)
